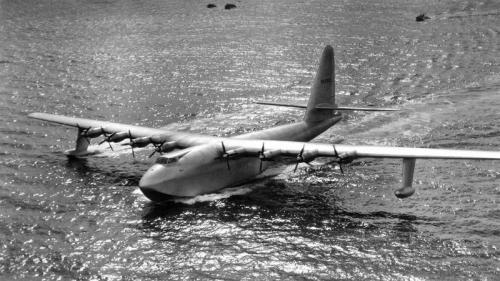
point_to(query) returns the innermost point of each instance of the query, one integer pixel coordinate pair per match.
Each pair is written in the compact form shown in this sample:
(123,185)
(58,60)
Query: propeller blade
(336,153)
(107,138)
(157,148)
(261,157)
(110,147)
(299,158)
(225,155)
(151,155)
(339,159)
(131,146)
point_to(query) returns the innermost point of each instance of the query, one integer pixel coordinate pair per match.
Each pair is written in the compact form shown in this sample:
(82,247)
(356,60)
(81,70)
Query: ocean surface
(178,64)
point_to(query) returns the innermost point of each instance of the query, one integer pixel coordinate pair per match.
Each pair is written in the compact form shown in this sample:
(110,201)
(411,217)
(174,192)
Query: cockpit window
(173,157)
(166,160)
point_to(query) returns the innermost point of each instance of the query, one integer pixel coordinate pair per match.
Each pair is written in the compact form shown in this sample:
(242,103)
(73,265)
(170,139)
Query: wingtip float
(192,164)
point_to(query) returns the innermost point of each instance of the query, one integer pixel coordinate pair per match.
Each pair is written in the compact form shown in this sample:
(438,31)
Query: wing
(312,150)
(115,132)
(306,152)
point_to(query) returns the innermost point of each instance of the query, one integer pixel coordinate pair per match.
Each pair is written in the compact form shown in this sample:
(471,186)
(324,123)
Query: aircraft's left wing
(306,152)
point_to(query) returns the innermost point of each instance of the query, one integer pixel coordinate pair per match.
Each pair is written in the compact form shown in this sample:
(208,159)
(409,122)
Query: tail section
(323,90)
(321,105)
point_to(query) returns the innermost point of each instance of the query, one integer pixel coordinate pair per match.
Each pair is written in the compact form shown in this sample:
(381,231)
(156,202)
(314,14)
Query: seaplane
(190,164)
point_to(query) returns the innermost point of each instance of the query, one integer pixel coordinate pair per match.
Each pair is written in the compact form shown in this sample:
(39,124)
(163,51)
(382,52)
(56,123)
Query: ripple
(178,62)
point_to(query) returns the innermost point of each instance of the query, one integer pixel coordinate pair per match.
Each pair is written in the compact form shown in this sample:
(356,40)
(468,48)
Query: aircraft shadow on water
(192,164)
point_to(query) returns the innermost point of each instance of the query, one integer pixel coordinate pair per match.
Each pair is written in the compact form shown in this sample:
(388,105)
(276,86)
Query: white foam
(223,194)
(118,149)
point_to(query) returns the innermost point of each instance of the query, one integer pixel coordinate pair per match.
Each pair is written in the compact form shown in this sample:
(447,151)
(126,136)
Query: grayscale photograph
(249,140)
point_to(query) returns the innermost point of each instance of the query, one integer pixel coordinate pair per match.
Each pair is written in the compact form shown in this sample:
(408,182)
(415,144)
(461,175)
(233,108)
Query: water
(178,64)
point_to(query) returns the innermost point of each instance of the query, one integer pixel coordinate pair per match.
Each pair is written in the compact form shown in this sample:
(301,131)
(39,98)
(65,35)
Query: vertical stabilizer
(323,89)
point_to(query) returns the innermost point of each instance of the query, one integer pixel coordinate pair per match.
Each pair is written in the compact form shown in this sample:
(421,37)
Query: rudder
(323,89)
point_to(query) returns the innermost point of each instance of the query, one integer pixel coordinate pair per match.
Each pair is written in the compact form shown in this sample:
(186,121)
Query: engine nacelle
(141,142)
(168,146)
(269,154)
(308,156)
(94,132)
(118,137)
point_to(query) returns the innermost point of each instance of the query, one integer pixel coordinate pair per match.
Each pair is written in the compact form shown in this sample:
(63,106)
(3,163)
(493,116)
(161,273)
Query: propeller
(106,135)
(162,146)
(158,141)
(261,157)
(225,155)
(339,159)
(300,158)
(107,138)
(157,149)
(131,146)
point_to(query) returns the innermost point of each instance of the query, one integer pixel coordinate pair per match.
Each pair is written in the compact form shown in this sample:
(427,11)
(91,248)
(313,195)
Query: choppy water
(160,62)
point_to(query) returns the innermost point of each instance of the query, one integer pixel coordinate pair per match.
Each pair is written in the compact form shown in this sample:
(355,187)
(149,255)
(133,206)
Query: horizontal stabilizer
(329,106)
(334,107)
(281,104)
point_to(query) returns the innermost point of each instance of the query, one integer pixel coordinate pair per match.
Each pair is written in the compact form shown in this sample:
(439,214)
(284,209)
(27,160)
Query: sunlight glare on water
(179,65)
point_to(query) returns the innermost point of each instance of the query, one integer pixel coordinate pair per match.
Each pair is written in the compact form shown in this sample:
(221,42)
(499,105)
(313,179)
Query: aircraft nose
(154,177)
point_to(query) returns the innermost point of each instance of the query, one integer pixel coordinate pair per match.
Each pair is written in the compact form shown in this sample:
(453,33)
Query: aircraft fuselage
(201,170)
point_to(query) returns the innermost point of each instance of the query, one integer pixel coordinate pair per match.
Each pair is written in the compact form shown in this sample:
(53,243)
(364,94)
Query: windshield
(172,157)
(166,160)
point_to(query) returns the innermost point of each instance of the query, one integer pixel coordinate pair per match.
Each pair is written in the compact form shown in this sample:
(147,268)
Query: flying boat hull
(187,180)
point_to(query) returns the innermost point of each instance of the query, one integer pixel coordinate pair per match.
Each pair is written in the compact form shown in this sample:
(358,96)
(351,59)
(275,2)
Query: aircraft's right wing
(139,136)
